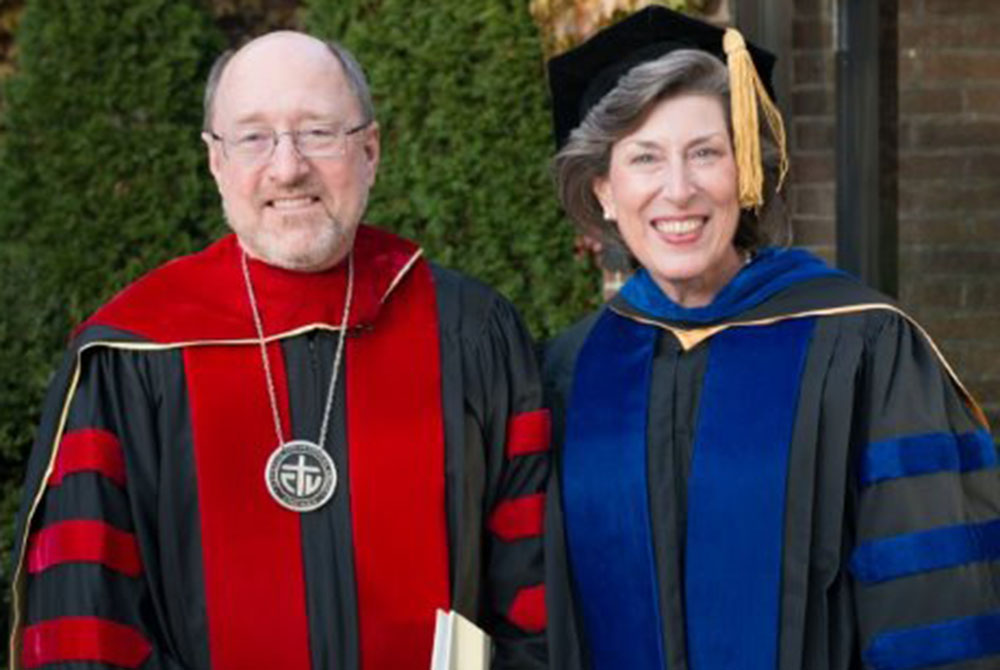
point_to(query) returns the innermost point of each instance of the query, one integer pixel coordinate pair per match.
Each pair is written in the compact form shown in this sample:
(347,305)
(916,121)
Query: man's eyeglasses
(256,145)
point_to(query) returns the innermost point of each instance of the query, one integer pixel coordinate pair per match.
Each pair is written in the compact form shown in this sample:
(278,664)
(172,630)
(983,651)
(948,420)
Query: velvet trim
(518,518)
(83,541)
(529,433)
(771,271)
(736,495)
(69,639)
(89,450)
(605,498)
(925,551)
(395,434)
(940,643)
(171,305)
(251,547)
(930,453)
(527,610)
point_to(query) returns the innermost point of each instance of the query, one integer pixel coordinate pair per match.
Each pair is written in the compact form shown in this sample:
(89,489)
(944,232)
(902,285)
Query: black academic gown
(886,446)
(112,546)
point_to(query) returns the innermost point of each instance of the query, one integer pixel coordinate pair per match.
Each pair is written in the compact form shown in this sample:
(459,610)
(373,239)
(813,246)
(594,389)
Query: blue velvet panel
(605,498)
(937,549)
(951,641)
(926,454)
(736,495)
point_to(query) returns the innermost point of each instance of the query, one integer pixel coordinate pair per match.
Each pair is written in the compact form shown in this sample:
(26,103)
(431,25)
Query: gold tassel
(745,90)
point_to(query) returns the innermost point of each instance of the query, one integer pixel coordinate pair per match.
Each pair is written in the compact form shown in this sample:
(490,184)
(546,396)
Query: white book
(459,644)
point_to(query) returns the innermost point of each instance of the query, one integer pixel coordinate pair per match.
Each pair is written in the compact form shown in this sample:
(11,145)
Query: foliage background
(102,174)
(460,92)
(100,179)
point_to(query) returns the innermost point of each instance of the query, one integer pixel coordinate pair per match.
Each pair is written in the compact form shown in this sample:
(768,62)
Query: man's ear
(215,156)
(372,149)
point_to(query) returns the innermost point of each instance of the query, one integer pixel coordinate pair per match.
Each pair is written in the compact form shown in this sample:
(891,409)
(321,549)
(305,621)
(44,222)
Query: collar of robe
(771,271)
(201,298)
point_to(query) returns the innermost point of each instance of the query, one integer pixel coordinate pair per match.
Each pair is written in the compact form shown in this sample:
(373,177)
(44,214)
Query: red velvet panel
(84,541)
(89,450)
(518,518)
(528,433)
(396,456)
(528,611)
(251,547)
(83,639)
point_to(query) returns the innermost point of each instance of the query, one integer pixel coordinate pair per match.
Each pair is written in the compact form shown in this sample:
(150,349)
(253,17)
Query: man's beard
(303,242)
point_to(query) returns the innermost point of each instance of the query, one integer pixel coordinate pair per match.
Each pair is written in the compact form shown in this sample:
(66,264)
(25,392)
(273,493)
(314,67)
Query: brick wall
(810,116)
(949,160)
(949,139)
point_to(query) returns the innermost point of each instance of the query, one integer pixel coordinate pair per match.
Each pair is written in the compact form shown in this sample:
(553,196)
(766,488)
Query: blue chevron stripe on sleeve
(926,454)
(937,549)
(951,641)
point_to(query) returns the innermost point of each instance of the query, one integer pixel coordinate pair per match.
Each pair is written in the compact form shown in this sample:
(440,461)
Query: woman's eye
(642,159)
(706,153)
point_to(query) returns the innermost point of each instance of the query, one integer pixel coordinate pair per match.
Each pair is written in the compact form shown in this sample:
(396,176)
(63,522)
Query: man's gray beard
(268,244)
(329,237)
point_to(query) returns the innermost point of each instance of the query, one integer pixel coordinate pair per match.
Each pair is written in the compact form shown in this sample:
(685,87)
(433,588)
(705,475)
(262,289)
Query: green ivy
(460,95)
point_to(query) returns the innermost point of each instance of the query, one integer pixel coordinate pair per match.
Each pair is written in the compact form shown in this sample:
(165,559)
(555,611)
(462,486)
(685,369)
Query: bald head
(282,39)
(291,206)
(279,52)
(282,49)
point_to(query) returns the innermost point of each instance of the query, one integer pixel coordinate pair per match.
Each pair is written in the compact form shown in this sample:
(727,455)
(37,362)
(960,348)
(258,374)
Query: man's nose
(287,164)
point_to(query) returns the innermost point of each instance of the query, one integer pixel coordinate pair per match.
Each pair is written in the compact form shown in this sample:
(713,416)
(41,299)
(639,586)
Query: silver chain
(272,395)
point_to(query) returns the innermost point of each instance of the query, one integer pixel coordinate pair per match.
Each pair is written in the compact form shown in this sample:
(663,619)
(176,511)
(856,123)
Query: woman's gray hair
(352,71)
(586,156)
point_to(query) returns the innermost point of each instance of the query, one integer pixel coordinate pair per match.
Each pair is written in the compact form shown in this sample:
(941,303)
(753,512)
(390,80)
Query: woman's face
(671,188)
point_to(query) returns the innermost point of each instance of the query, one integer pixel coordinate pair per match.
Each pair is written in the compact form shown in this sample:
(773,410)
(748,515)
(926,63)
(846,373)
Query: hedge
(460,95)
(101,178)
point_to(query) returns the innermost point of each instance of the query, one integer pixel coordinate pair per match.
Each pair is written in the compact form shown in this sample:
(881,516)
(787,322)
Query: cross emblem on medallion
(300,476)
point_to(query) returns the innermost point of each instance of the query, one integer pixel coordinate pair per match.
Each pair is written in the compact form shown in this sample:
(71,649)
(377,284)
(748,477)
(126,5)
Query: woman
(761,463)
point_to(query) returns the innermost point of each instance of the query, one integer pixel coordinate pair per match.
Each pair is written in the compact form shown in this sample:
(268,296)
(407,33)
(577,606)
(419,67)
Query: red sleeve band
(84,639)
(89,450)
(518,518)
(528,433)
(528,611)
(84,541)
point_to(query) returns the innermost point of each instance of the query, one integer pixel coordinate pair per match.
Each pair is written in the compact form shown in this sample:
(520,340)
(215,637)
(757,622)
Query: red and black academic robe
(147,539)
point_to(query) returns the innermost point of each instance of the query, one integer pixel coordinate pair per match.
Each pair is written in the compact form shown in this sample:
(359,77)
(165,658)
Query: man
(221,480)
